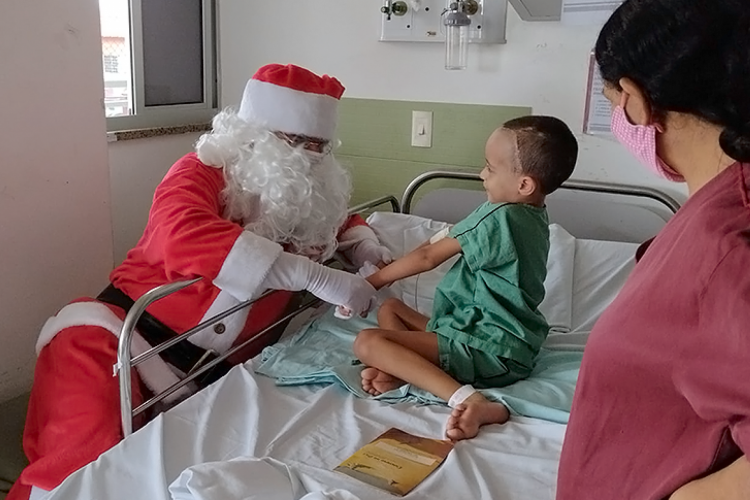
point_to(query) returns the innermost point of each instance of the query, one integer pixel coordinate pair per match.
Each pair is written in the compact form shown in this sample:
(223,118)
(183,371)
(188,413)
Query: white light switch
(421,129)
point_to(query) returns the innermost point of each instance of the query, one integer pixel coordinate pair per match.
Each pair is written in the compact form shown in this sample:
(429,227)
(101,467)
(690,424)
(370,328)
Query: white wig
(286,194)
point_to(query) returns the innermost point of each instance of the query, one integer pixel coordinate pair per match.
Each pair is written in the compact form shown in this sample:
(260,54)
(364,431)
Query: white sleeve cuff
(246,266)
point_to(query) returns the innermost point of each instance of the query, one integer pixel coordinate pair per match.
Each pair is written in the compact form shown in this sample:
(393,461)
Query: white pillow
(557,305)
(402,233)
(601,269)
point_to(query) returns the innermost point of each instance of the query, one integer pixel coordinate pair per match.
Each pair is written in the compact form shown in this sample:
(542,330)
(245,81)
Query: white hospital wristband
(462,394)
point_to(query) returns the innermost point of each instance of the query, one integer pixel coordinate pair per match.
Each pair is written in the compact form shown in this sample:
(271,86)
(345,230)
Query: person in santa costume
(260,205)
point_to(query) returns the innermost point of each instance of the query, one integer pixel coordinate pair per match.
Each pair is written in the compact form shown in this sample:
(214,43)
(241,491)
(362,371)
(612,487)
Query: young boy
(486,328)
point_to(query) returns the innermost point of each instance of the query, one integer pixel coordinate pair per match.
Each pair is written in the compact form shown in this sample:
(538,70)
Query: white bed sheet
(313,429)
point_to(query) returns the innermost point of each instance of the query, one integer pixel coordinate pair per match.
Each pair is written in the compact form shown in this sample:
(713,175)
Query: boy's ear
(527,186)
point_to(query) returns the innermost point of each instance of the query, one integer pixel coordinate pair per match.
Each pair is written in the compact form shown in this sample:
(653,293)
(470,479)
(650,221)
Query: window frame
(147,117)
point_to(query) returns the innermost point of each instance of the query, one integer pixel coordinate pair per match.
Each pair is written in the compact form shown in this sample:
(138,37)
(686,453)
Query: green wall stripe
(376,141)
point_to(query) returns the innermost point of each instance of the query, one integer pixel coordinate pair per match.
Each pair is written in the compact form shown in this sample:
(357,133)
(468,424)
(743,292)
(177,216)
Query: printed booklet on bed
(396,461)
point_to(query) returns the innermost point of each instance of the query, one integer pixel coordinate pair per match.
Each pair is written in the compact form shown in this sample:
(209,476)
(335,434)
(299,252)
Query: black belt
(184,356)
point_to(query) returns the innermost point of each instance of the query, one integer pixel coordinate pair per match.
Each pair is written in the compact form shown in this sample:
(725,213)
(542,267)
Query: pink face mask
(640,140)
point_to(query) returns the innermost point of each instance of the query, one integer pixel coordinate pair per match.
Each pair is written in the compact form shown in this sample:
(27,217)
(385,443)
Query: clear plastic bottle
(456,37)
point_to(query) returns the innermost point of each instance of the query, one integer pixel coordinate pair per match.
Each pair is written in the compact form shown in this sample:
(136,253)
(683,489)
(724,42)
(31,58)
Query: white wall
(136,168)
(54,181)
(543,65)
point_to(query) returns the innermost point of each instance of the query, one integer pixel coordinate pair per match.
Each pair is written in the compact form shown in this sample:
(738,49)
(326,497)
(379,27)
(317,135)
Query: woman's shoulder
(714,222)
(722,218)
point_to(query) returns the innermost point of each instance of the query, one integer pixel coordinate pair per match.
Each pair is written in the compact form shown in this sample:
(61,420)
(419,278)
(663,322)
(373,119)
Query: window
(159,62)
(111,63)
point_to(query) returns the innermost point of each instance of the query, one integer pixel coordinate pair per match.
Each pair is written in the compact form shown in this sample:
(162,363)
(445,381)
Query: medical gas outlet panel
(424,20)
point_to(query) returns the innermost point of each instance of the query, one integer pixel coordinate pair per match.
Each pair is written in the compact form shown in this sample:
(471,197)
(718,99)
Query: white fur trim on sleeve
(233,324)
(78,314)
(155,373)
(247,265)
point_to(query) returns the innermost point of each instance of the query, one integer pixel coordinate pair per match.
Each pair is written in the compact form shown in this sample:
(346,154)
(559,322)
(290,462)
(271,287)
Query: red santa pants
(74,410)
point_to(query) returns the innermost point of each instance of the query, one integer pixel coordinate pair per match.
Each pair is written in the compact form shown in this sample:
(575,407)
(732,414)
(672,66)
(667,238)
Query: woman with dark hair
(662,406)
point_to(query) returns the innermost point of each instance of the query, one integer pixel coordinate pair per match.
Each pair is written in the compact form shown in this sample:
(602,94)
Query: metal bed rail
(125,362)
(590,186)
(395,206)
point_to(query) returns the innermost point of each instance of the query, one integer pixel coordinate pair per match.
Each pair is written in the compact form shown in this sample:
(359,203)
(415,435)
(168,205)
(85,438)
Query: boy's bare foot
(376,382)
(469,416)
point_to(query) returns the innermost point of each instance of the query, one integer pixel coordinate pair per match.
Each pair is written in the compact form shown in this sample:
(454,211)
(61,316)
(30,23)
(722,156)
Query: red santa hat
(293,100)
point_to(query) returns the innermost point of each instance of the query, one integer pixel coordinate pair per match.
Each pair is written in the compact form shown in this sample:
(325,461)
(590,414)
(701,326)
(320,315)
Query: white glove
(292,272)
(369,250)
(342,312)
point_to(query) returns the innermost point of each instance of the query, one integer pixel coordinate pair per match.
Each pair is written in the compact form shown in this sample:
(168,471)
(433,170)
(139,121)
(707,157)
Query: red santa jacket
(186,237)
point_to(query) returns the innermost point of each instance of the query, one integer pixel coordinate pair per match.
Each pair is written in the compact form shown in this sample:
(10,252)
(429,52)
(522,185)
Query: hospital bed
(245,436)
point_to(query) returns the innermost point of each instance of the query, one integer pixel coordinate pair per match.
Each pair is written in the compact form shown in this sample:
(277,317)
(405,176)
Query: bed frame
(461,202)
(613,212)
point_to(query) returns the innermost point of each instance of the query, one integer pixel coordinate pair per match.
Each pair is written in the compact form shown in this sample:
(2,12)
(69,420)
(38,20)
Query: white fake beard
(286,194)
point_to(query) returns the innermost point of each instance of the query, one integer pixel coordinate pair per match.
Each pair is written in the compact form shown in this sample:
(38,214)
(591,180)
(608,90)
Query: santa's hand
(292,272)
(342,288)
(369,250)
(342,312)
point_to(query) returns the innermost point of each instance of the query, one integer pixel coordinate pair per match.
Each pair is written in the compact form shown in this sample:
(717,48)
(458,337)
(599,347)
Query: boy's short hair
(547,150)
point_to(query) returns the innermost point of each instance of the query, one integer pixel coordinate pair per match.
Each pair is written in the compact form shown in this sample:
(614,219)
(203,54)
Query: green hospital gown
(489,300)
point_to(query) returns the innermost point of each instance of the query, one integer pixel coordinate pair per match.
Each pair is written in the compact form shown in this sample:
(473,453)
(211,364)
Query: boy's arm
(424,258)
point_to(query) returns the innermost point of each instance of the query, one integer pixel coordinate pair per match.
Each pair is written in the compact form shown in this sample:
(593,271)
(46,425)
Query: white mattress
(312,429)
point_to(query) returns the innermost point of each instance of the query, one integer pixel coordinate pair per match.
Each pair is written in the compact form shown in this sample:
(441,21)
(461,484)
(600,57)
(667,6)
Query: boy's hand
(372,275)
(377,281)
(371,251)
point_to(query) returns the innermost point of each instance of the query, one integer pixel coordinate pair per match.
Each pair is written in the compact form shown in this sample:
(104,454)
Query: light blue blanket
(321,353)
